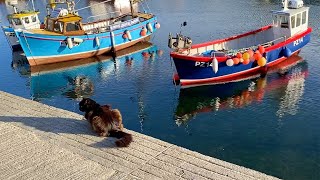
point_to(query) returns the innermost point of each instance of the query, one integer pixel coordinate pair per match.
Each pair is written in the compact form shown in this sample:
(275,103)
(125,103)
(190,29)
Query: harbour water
(268,124)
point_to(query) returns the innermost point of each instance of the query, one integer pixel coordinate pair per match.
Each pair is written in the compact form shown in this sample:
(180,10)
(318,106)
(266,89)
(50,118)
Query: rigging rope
(93,5)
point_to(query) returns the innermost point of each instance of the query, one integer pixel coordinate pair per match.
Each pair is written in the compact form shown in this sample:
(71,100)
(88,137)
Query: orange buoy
(261,49)
(246,61)
(257,56)
(236,60)
(143,31)
(124,36)
(250,51)
(239,55)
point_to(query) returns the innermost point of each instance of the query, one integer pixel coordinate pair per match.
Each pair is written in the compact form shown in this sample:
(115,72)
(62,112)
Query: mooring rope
(29,48)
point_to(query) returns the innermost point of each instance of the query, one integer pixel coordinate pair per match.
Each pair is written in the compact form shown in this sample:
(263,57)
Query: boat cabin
(24,20)
(67,25)
(292,19)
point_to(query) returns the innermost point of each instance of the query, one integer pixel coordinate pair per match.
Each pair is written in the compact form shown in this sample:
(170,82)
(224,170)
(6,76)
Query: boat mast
(131,7)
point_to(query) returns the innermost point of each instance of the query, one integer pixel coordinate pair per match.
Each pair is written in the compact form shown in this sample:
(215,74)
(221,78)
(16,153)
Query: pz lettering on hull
(297,42)
(202,64)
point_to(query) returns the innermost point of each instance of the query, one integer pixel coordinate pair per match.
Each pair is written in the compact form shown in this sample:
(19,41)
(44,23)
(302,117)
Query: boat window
(284,21)
(293,22)
(50,25)
(304,17)
(26,20)
(58,27)
(34,18)
(298,20)
(73,26)
(16,21)
(275,20)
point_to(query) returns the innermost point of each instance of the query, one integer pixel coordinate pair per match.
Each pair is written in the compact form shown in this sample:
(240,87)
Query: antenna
(33,5)
(285,5)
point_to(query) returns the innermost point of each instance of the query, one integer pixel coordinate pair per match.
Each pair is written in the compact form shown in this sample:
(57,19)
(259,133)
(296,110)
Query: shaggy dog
(105,121)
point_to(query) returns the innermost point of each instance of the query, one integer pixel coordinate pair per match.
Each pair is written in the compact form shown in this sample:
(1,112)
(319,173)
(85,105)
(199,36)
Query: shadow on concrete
(59,125)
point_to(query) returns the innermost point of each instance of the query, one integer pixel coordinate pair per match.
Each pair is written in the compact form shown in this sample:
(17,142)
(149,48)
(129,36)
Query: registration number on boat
(298,41)
(203,64)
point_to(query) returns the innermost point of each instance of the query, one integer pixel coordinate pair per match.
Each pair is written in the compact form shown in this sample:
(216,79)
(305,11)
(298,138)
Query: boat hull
(45,49)
(194,72)
(11,38)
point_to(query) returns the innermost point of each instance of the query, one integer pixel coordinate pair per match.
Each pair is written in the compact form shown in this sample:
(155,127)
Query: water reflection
(76,79)
(285,82)
(293,93)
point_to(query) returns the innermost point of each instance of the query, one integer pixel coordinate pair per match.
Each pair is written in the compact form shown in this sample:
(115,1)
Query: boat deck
(42,142)
(144,15)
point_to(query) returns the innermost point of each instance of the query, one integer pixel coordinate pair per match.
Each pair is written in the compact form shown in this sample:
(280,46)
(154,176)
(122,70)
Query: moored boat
(242,56)
(66,38)
(20,19)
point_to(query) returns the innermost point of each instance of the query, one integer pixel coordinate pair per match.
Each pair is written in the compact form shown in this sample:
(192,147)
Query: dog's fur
(105,121)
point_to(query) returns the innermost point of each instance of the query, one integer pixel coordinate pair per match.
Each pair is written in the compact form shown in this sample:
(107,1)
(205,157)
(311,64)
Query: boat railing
(100,25)
(231,52)
(119,24)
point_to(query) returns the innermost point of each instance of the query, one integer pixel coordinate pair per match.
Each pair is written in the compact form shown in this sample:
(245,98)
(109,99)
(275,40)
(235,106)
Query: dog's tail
(124,138)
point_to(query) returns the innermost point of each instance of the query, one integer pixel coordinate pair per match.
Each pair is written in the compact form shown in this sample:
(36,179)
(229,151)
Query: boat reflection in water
(286,80)
(76,79)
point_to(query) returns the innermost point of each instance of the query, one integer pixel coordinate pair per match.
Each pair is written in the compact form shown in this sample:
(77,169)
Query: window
(304,17)
(298,19)
(293,22)
(73,26)
(58,27)
(26,20)
(16,21)
(34,18)
(274,18)
(284,21)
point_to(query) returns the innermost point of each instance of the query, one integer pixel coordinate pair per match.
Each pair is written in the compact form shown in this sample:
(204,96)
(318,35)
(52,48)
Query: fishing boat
(65,37)
(245,55)
(20,19)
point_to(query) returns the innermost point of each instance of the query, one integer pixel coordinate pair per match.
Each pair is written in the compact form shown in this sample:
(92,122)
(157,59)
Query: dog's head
(87,104)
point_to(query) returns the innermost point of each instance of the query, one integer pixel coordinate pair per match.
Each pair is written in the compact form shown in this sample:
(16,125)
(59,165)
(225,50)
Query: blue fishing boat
(20,19)
(65,37)
(242,56)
